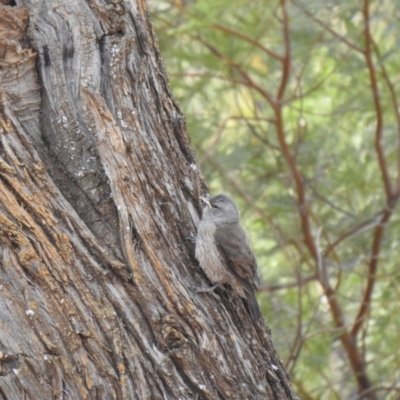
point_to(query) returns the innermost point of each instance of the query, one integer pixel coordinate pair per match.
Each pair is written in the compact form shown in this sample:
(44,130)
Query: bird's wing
(233,243)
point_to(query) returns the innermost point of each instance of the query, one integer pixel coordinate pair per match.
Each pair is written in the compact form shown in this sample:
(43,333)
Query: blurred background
(292,107)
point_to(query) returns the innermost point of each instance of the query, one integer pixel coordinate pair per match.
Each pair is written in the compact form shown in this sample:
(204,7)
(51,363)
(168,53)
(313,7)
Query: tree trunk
(98,189)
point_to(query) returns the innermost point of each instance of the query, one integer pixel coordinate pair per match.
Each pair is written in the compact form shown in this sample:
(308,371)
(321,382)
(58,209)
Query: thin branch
(393,388)
(316,86)
(396,108)
(251,127)
(238,68)
(372,268)
(329,29)
(248,39)
(377,103)
(208,152)
(298,283)
(327,201)
(297,343)
(262,139)
(299,76)
(361,227)
(301,390)
(391,200)
(248,83)
(202,75)
(306,326)
(287,56)
(355,358)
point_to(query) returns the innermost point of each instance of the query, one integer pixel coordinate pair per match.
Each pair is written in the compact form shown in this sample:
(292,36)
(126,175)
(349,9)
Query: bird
(223,251)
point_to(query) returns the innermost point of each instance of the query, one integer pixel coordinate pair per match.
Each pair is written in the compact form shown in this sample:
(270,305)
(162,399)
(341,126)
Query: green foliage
(223,62)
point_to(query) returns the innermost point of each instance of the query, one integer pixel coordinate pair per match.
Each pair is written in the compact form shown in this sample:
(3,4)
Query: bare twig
(298,283)
(361,227)
(377,103)
(217,139)
(372,268)
(392,198)
(238,68)
(356,360)
(287,55)
(392,388)
(327,28)
(248,39)
(395,107)
(329,202)
(298,341)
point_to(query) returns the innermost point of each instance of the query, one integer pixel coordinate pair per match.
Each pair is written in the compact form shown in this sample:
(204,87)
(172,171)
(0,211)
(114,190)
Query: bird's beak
(206,200)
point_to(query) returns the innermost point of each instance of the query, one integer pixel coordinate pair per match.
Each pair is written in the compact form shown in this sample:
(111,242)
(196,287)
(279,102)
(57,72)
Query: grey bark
(96,182)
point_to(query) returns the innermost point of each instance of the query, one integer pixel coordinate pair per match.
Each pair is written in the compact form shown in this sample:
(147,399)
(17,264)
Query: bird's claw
(192,238)
(207,290)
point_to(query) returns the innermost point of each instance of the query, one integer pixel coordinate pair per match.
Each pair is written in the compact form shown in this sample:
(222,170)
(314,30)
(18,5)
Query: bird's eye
(214,206)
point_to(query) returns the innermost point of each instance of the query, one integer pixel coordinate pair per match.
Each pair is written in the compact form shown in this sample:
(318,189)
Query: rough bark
(97,186)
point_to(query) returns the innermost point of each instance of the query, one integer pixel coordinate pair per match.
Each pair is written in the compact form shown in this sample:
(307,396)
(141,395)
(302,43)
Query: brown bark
(97,181)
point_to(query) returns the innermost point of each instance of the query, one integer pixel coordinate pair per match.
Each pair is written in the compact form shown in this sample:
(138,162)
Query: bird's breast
(208,255)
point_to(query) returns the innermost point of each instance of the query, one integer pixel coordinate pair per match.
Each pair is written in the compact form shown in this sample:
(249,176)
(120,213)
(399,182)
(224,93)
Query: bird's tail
(253,307)
(247,293)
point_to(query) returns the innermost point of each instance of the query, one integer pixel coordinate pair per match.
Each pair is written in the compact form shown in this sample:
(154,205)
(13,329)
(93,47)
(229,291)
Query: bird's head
(220,209)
